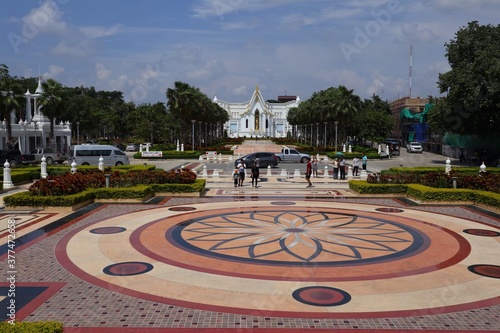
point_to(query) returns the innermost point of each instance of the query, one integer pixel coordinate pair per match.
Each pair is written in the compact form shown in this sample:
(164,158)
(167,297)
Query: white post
(296,173)
(215,173)
(482,168)
(7,180)
(379,148)
(200,158)
(73,167)
(204,172)
(283,173)
(350,148)
(364,175)
(343,147)
(269,173)
(447,168)
(220,157)
(325,174)
(43,165)
(178,145)
(101,164)
(182,147)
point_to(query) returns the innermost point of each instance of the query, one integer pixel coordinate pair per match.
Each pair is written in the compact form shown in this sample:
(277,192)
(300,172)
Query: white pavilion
(258,118)
(33,131)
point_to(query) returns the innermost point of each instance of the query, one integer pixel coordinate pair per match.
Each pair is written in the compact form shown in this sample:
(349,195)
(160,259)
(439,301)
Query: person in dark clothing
(255,174)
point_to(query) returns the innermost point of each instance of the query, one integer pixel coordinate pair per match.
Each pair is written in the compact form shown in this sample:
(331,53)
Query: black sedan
(263,159)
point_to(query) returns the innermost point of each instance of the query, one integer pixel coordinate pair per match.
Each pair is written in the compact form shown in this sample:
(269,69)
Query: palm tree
(10,96)
(52,104)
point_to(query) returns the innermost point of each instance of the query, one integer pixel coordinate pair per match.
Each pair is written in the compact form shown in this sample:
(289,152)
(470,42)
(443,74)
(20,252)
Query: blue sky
(227,47)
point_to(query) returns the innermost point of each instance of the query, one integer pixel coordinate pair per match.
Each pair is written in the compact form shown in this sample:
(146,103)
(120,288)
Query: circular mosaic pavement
(306,259)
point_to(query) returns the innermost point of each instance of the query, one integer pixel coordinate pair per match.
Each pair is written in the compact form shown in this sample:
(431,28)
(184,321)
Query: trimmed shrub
(32,327)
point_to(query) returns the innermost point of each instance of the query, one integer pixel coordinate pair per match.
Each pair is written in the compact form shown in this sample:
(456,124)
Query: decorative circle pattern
(482,232)
(321,296)
(107,230)
(389,210)
(181,209)
(310,237)
(491,271)
(128,268)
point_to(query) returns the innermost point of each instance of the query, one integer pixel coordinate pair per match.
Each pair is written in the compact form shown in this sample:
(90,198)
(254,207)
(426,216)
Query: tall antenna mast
(411,64)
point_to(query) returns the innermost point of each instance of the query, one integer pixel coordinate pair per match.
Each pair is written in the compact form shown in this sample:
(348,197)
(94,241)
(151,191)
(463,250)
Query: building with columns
(33,131)
(258,118)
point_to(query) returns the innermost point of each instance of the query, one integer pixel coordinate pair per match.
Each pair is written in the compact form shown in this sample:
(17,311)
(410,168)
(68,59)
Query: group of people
(340,168)
(239,174)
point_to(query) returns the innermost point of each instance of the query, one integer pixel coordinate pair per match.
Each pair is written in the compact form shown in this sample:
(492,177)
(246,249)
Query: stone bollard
(325,174)
(108,176)
(447,168)
(182,147)
(7,180)
(230,158)
(200,158)
(296,173)
(283,173)
(204,172)
(364,175)
(350,148)
(101,164)
(215,174)
(269,172)
(73,167)
(482,169)
(348,172)
(43,167)
(220,157)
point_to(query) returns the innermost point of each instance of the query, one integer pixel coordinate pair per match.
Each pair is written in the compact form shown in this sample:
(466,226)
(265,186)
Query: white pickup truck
(291,155)
(51,156)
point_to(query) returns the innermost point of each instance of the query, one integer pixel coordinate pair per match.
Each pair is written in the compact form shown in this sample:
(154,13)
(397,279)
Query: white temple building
(258,118)
(33,131)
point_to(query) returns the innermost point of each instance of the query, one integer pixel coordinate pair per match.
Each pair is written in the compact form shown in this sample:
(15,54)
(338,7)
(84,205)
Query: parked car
(264,160)
(393,147)
(292,155)
(414,147)
(132,147)
(51,156)
(15,157)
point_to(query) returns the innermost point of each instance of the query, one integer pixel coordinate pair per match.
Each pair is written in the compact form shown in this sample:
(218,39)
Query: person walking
(255,174)
(241,173)
(336,168)
(236,177)
(364,162)
(342,168)
(308,172)
(355,166)
(315,167)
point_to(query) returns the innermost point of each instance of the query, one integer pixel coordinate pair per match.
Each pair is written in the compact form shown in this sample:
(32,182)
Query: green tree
(472,85)
(52,103)
(11,96)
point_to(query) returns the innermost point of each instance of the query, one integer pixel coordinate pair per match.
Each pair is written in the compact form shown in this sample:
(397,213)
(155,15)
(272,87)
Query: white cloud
(79,49)
(412,32)
(210,8)
(96,32)
(46,18)
(101,72)
(240,91)
(53,72)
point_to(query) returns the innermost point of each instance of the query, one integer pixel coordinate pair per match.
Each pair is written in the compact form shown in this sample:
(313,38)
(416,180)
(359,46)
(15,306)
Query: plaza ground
(279,258)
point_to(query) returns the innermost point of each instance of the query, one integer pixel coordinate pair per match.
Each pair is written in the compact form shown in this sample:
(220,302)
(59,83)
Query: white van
(90,154)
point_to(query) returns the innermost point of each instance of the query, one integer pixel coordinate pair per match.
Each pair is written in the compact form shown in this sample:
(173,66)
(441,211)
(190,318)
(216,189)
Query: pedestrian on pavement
(355,166)
(364,161)
(336,168)
(342,168)
(315,167)
(241,173)
(308,172)
(255,174)
(236,177)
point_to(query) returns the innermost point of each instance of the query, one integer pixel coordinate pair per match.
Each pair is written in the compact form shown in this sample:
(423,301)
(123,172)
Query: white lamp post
(336,123)
(325,133)
(192,138)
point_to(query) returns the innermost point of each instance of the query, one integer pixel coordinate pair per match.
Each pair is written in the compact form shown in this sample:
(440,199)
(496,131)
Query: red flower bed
(80,181)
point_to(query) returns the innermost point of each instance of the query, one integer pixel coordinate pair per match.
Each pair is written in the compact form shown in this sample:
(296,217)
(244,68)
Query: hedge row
(426,193)
(136,192)
(32,327)
(424,170)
